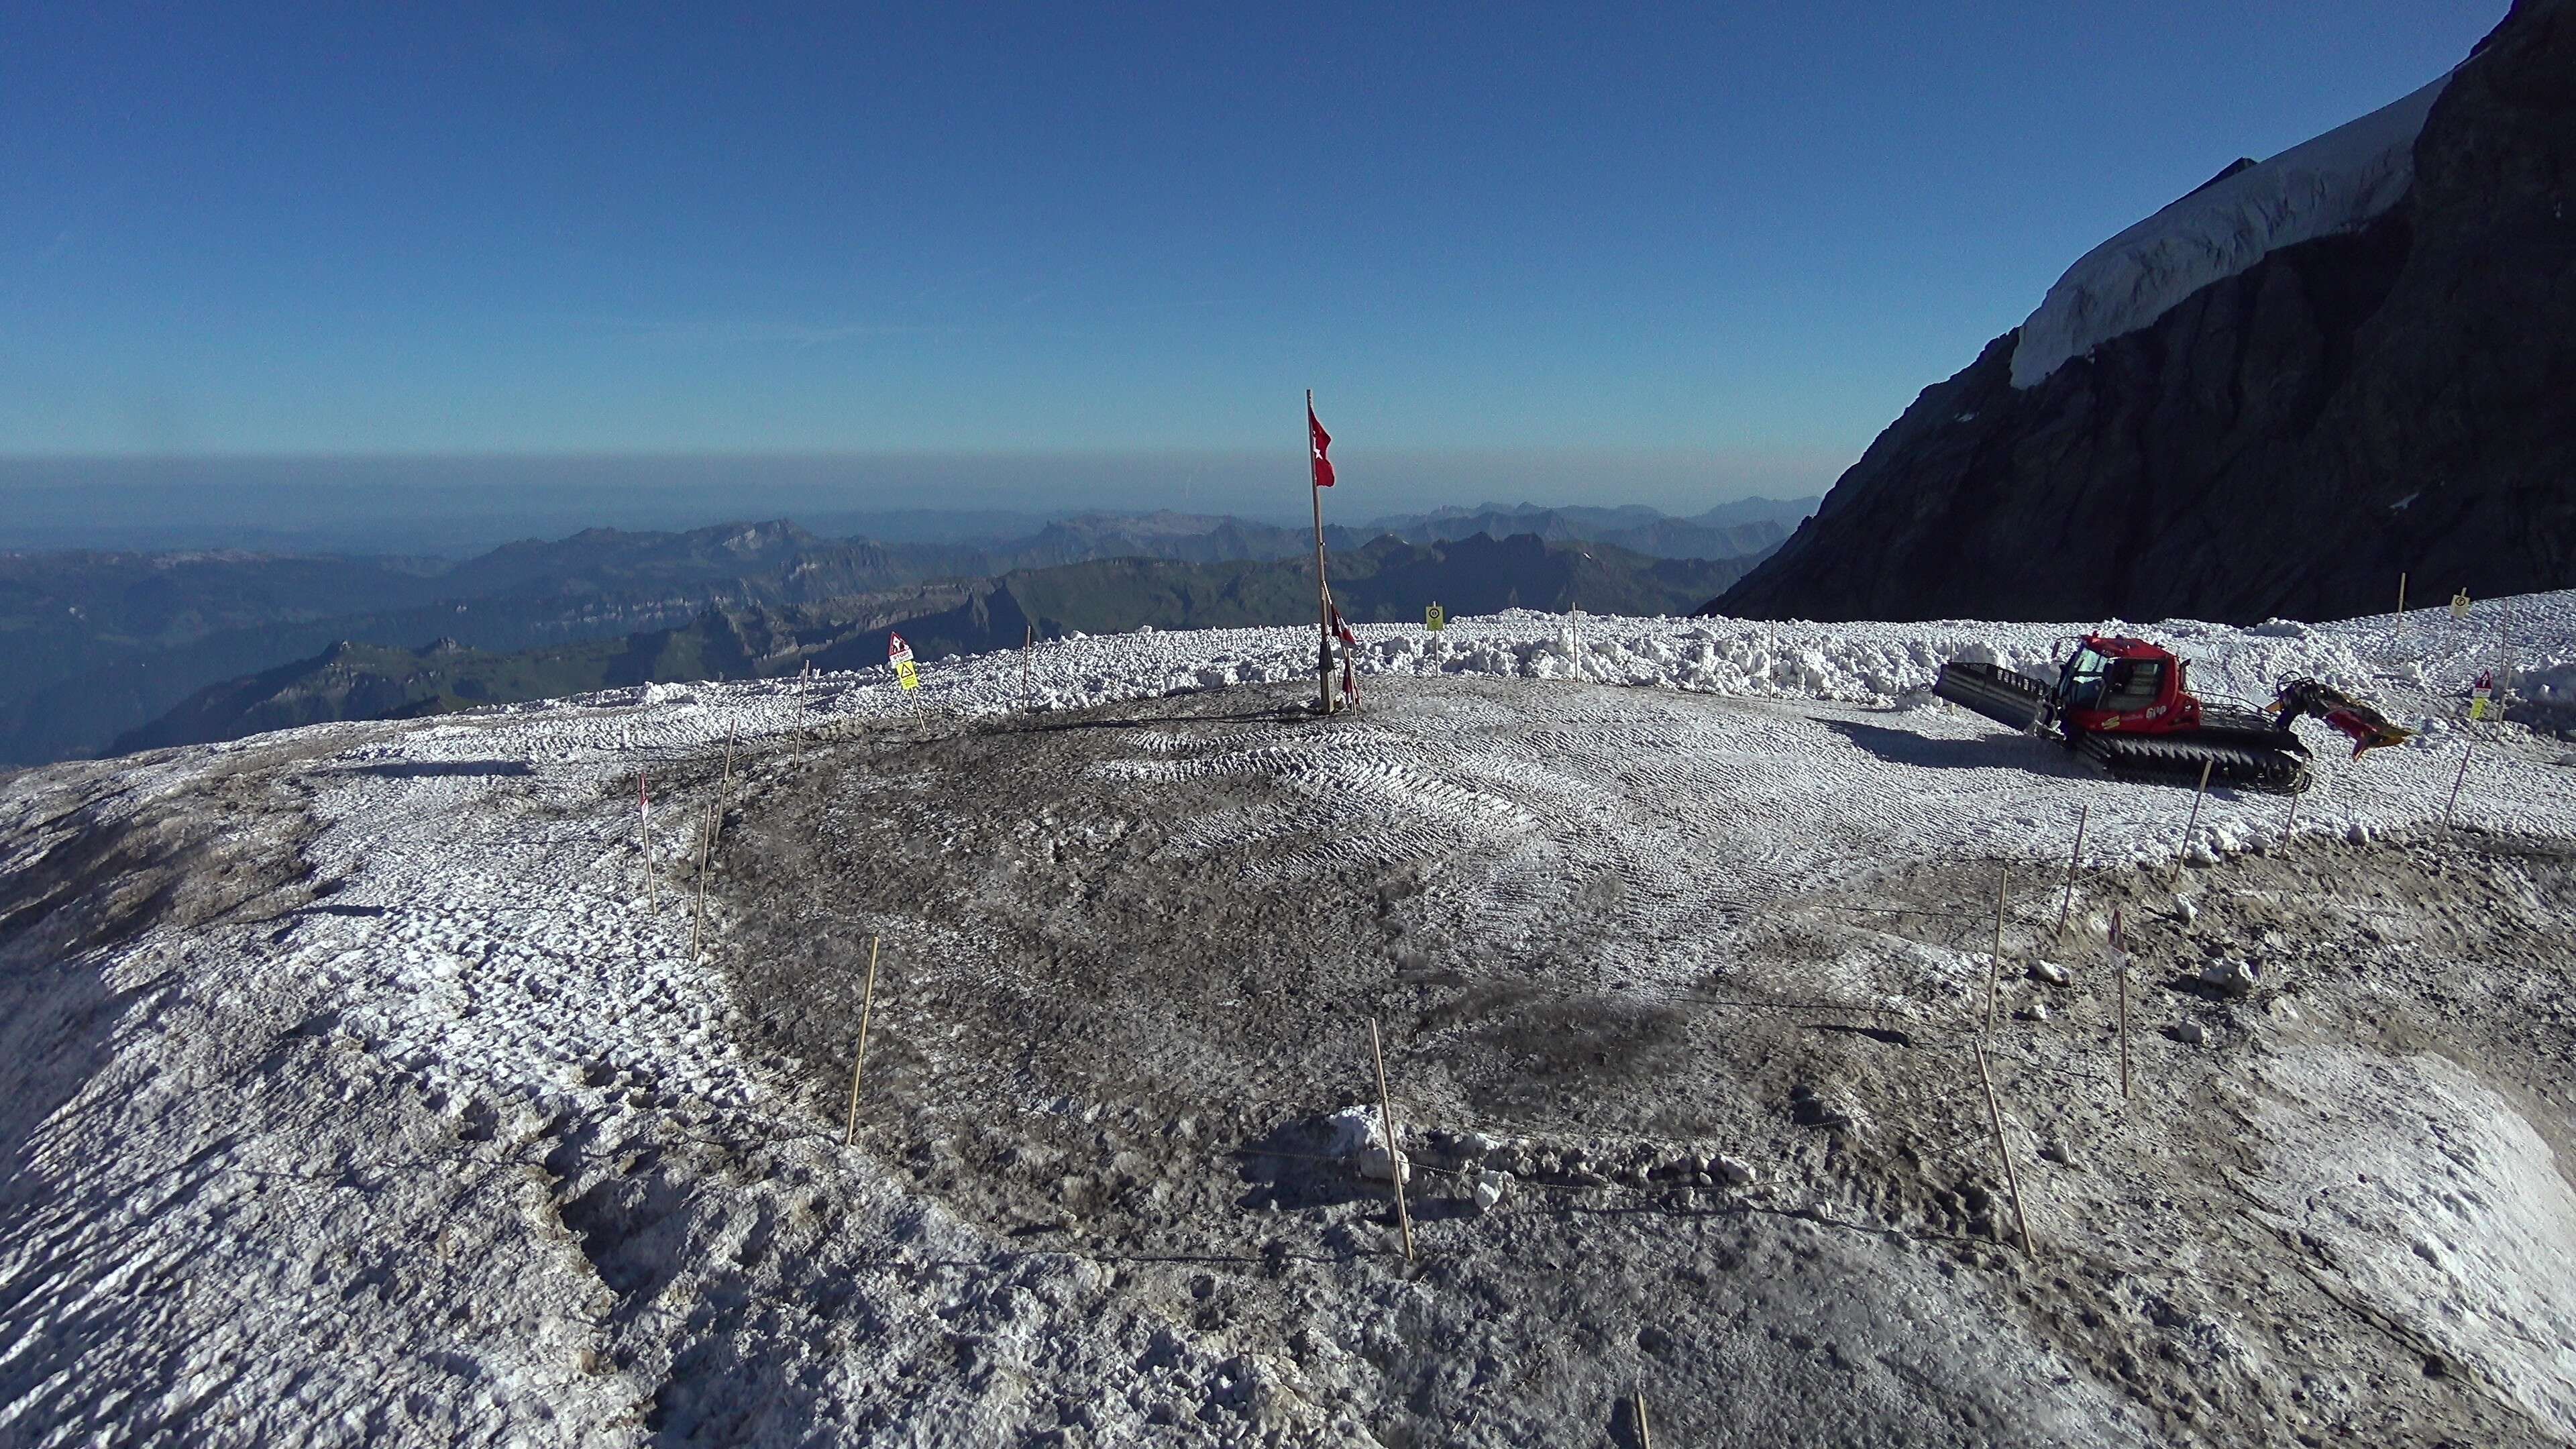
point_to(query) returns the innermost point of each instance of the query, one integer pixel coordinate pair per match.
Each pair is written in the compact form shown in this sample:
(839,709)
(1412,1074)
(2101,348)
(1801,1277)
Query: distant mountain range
(94,645)
(1731,530)
(1386,580)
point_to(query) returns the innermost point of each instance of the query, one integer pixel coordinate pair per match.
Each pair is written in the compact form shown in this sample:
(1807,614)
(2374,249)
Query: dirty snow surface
(373,1083)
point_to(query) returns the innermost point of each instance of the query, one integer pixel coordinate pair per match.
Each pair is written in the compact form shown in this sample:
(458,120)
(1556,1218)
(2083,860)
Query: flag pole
(1323,592)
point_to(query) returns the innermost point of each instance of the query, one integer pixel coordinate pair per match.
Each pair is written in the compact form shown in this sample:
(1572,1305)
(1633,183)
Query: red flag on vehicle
(1321,442)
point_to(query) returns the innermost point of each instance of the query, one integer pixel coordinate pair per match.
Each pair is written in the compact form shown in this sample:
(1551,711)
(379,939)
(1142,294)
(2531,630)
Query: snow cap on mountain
(2332,183)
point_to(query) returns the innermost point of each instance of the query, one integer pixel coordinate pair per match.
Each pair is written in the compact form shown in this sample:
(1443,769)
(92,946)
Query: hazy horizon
(457,504)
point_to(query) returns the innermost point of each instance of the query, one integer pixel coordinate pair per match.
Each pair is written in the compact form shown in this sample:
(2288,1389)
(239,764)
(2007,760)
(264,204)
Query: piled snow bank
(2333,183)
(2428,669)
(2421,678)
(2440,1202)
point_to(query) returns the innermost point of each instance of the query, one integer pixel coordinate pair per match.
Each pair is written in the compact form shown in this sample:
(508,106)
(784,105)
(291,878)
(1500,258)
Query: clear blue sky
(1738,236)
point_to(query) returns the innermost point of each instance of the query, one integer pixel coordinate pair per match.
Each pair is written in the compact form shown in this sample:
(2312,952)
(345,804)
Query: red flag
(1320,441)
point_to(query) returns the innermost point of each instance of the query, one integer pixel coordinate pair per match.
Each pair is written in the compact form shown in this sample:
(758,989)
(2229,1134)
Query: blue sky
(1730,239)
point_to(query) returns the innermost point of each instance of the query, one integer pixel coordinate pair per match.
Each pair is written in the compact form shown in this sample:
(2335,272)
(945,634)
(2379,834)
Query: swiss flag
(1321,441)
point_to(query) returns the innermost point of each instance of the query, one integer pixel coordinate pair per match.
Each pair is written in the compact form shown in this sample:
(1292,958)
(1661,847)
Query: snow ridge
(2332,183)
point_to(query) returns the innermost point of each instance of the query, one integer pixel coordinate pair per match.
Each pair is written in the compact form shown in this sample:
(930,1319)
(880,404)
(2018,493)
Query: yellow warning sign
(909,676)
(1435,619)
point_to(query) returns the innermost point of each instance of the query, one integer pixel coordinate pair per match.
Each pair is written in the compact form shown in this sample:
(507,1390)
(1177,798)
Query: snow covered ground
(332,1057)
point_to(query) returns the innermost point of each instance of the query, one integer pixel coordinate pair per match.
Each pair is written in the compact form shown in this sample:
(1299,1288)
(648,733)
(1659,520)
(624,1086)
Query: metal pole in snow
(1394,1157)
(724,785)
(2184,845)
(1995,962)
(2456,782)
(867,1002)
(2504,660)
(2074,858)
(644,840)
(706,849)
(2012,1178)
(2290,827)
(2120,966)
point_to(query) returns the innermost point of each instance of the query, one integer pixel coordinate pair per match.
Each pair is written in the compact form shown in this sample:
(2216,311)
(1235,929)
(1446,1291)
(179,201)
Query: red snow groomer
(2126,703)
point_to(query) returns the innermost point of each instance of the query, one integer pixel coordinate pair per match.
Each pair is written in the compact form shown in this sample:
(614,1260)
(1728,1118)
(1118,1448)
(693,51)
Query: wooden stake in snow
(2401,606)
(2457,781)
(724,785)
(1637,1405)
(2183,847)
(1394,1155)
(2290,826)
(2120,968)
(706,848)
(2504,660)
(1028,680)
(2074,858)
(1995,962)
(2012,1178)
(644,840)
(867,1003)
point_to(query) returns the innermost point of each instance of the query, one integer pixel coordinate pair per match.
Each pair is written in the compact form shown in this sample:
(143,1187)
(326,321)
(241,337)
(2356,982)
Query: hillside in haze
(1386,581)
(96,644)
(2312,374)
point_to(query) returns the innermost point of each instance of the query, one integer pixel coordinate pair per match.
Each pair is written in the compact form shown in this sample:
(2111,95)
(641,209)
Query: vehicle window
(2133,684)
(2083,687)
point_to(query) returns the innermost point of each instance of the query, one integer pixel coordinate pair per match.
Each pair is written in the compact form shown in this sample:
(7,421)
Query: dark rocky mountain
(2396,397)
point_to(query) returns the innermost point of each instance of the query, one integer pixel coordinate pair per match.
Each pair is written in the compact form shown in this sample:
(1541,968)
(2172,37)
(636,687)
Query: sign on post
(1435,619)
(2481,696)
(899,654)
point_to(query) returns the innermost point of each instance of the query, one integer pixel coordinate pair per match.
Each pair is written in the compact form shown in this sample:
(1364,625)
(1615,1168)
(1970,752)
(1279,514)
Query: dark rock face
(2285,442)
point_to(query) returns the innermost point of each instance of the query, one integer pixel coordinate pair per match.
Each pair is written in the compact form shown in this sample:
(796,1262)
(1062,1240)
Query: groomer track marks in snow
(403,1116)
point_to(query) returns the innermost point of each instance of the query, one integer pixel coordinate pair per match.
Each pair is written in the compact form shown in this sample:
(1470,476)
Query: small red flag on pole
(1319,472)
